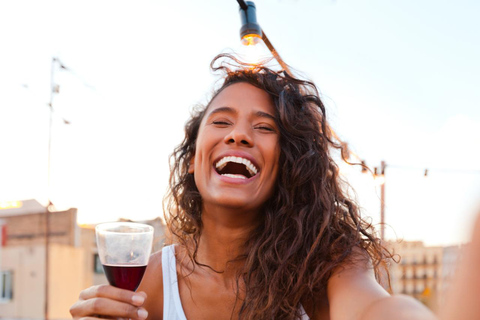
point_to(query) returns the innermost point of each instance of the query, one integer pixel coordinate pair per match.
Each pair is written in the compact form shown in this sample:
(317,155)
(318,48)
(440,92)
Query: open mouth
(236,167)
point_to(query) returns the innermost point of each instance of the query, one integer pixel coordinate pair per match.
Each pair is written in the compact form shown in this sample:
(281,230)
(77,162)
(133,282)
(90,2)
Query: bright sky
(400,80)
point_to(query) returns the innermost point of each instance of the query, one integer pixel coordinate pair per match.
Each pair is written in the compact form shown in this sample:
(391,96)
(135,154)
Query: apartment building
(424,272)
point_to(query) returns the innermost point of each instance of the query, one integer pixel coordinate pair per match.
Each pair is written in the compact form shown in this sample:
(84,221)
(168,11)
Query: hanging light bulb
(253,49)
(250,32)
(252,36)
(254,54)
(379,180)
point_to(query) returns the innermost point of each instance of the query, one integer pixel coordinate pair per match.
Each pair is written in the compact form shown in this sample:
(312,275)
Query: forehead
(243,97)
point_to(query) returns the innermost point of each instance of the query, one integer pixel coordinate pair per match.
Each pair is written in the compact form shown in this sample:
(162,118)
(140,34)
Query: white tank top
(172,305)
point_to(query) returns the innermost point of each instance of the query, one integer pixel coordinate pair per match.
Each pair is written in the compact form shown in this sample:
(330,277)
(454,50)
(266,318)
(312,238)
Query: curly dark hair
(310,226)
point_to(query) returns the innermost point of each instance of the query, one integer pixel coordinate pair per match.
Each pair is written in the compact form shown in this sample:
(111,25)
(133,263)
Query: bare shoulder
(352,288)
(152,285)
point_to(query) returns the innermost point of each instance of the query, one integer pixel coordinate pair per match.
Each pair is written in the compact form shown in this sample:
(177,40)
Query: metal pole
(382,202)
(47,209)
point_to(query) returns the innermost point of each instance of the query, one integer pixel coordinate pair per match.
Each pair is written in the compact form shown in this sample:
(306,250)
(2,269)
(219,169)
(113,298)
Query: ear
(191,165)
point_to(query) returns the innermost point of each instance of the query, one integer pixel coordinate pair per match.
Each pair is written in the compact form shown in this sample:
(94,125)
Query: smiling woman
(237,132)
(261,227)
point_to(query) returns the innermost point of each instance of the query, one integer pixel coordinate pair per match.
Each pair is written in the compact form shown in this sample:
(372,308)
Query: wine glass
(124,249)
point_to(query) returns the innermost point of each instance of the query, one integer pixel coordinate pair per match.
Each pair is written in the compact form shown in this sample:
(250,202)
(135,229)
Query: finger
(139,298)
(110,292)
(103,318)
(112,308)
(106,308)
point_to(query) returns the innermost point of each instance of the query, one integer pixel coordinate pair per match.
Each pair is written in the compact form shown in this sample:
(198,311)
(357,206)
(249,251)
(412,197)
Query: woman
(261,223)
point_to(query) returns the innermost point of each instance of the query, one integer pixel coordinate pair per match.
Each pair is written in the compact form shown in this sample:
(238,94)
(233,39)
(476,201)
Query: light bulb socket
(249,21)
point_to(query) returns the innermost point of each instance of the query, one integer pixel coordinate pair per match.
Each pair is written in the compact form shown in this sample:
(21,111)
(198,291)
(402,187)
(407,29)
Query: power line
(427,170)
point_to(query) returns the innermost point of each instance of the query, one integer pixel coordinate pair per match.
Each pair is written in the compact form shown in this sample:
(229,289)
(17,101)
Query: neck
(223,238)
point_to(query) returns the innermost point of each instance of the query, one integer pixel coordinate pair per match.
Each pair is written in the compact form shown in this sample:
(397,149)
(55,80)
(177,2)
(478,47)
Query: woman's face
(237,150)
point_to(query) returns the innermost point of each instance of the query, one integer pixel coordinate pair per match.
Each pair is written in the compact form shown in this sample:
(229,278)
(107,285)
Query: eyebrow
(222,109)
(260,114)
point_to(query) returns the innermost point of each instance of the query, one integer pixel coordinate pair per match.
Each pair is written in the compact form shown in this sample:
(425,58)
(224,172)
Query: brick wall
(29,229)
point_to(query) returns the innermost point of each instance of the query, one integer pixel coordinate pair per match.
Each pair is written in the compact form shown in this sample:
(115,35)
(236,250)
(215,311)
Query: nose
(239,135)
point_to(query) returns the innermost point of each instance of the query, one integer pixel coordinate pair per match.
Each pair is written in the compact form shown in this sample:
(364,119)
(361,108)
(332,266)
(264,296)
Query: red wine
(125,277)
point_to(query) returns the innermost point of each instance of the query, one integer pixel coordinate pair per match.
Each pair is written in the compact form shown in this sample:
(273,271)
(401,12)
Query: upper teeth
(223,162)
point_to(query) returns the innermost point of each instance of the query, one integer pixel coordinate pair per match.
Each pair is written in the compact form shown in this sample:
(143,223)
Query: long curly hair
(309,227)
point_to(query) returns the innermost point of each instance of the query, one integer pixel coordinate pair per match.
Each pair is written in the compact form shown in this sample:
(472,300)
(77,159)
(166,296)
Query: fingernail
(142,313)
(138,299)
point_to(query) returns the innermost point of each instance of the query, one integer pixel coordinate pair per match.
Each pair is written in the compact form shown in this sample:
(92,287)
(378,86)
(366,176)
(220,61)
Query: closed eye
(265,128)
(220,123)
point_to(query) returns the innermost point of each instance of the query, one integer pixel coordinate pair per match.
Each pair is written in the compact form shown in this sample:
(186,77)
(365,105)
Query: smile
(236,167)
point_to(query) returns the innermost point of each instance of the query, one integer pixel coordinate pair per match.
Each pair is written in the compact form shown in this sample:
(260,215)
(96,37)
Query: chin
(234,203)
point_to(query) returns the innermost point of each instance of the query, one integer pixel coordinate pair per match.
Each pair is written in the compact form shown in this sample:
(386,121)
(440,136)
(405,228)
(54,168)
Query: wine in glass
(124,249)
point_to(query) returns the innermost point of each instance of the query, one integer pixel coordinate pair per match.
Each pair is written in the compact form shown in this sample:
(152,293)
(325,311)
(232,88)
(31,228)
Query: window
(409,288)
(420,272)
(409,274)
(6,286)
(97,264)
(414,260)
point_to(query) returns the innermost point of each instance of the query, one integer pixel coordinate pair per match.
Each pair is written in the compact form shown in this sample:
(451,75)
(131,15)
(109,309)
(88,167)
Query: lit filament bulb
(253,50)
(251,39)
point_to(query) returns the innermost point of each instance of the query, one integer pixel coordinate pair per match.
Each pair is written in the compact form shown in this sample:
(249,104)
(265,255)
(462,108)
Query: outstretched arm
(354,294)
(462,298)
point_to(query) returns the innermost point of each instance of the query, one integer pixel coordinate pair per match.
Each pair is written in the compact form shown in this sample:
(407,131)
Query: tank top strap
(172,305)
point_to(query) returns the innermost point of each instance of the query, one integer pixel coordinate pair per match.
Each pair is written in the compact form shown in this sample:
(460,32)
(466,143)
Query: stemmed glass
(124,249)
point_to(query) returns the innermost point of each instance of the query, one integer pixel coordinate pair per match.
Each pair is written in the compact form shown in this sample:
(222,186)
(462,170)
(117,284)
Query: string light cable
(251,30)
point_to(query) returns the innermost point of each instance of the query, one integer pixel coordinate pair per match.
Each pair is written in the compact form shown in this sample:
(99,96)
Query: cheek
(274,163)
(275,154)
(198,162)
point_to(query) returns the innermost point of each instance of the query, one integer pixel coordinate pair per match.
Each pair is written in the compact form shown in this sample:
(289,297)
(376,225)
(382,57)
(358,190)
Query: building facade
(423,272)
(42,277)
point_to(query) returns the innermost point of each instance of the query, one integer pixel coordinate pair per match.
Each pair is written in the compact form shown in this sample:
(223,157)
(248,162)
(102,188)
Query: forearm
(397,307)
